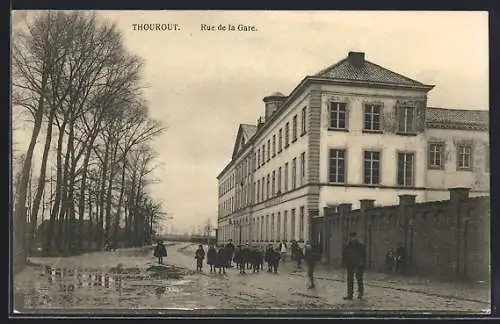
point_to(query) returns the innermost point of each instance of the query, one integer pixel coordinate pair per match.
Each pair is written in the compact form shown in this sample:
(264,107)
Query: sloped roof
(368,72)
(248,130)
(457,116)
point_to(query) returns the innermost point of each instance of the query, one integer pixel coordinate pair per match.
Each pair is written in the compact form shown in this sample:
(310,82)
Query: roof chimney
(357,59)
(273,103)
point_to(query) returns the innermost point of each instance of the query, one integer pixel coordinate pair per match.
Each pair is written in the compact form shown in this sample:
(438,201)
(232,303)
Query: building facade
(353,131)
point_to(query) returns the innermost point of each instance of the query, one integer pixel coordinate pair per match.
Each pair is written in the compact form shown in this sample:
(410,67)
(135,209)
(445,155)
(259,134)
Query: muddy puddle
(88,288)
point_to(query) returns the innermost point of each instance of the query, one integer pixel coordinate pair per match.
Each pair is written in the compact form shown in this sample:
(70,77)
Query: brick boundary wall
(444,238)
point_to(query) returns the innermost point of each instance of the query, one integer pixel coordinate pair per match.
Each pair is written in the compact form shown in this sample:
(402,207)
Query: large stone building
(353,131)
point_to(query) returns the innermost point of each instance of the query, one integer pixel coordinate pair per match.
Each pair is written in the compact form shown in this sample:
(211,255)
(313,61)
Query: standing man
(274,258)
(230,253)
(310,257)
(160,251)
(199,256)
(354,260)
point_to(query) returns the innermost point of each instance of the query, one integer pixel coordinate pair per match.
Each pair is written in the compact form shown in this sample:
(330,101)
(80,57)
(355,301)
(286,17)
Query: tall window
(274,183)
(278,226)
(287,134)
(267,228)
(464,157)
(292,221)
(263,182)
(338,115)
(274,145)
(294,128)
(372,117)
(263,153)
(268,192)
(406,168)
(285,225)
(337,166)
(294,173)
(303,124)
(272,227)
(406,120)
(256,190)
(301,223)
(279,179)
(280,140)
(256,160)
(285,176)
(436,155)
(262,228)
(268,150)
(371,167)
(302,167)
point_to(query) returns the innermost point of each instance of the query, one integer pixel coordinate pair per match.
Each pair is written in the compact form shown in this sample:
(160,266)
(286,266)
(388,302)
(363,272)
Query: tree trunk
(63,217)
(51,236)
(119,207)
(19,221)
(101,195)
(109,191)
(41,179)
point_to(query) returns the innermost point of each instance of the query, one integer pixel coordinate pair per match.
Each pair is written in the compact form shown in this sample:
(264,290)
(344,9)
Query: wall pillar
(405,203)
(364,205)
(344,210)
(455,212)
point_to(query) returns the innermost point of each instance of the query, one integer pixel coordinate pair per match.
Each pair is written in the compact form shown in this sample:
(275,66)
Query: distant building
(353,131)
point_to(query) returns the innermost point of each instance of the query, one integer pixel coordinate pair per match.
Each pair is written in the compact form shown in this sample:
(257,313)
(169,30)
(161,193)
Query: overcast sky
(203,84)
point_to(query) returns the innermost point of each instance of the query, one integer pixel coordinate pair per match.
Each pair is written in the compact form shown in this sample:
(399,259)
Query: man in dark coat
(230,253)
(199,256)
(255,257)
(299,256)
(261,256)
(267,257)
(160,252)
(222,259)
(274,258)
(311,257)
(248,253)
(354,260)
(400,259)
(237,256)
(212,257)
(243,257)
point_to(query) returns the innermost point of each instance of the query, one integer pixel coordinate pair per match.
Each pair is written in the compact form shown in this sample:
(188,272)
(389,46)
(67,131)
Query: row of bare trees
(82,89)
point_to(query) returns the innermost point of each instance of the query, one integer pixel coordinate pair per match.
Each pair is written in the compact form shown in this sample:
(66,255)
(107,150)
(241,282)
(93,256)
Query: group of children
(245,257)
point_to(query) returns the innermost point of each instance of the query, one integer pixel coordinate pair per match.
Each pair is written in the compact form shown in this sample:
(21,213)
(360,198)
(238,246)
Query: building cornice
(299,89)
(459,126)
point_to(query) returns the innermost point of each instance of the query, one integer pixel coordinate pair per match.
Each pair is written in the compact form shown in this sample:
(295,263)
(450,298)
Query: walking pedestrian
(354,260)
(230,249)
(247,253)
(299,254)
(222,259)
(261,257)
(267,257)
(212,257)
(283,250)
(199,256)
(160,251)
(311,256)
(275,257)
(243,259)
(255,258)
(400,259)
